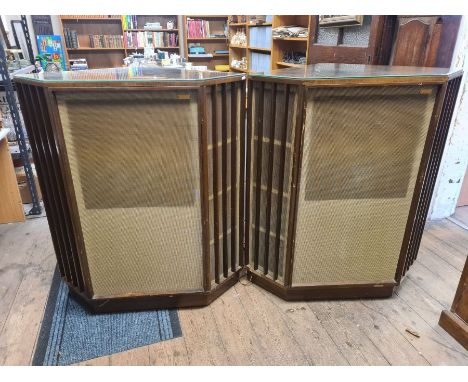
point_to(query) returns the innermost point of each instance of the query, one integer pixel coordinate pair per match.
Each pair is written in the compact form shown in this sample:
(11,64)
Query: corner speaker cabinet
(162,188)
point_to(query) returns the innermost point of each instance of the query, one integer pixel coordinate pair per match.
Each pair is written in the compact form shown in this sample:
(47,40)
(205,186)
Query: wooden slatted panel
(225,157)
(432,170)
(28,109)
(57,185)
(272,123)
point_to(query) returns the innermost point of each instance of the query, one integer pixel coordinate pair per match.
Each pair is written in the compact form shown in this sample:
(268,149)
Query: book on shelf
(129,22)
(105,41)
(259,62)
(78,64)
(151,39)
(71,38)
(201,29)
(200,55)
(260,37)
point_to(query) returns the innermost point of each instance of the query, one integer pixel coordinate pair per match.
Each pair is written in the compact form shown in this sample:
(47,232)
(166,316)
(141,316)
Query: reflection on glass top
(141,73)
(331,71)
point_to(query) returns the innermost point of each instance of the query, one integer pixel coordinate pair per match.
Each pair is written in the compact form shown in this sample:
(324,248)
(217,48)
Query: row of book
(201,29)
(105,41)
(260,37)
(129,22)
(78,64)
(71,38)
(259,62)
(151,39)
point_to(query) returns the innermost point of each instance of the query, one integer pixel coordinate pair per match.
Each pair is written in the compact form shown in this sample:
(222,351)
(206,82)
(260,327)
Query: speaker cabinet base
(159,301)
(323,292)
(201,298)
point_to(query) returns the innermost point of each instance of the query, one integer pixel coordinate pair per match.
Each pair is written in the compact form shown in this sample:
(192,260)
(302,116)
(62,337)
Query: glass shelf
(342,71)
(130,74)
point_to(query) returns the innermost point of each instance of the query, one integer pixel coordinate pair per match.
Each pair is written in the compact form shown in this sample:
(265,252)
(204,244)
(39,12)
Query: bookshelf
(104,51)
(136,36)
(280,46)
(209,33)
(258,47)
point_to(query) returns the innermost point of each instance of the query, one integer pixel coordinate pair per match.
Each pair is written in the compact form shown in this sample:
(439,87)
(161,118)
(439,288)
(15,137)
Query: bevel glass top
(337,71)
(131,74)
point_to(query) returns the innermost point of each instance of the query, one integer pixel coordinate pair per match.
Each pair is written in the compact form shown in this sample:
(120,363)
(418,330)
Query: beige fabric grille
(361,155)
(134,163)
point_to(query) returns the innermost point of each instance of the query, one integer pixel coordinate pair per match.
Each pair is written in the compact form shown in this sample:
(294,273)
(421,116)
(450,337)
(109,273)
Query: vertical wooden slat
(295,181)
(247,166)
(26,110)
(282,161)
(57,188)
(224,177)
(49,197)
(258,175)
(214,139)
(234,126)
(204,187)
(271,153)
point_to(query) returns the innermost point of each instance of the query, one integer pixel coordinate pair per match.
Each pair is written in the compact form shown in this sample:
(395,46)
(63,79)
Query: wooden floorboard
(249,326)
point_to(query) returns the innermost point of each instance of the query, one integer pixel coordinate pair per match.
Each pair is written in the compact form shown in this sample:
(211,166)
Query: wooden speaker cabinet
(162,188)
(141,181)
(343,161)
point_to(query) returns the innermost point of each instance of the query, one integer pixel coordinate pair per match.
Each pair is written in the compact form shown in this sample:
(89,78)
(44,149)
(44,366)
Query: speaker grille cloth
(134,163)
(361,154)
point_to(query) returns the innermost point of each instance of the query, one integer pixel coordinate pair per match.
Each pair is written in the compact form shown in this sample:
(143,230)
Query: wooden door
(424,40)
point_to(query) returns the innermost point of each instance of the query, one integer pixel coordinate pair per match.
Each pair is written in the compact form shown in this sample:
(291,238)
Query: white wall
(455,158)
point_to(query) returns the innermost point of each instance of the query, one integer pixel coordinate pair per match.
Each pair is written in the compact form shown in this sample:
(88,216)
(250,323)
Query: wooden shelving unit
(85,25)
(237,52)
(163,20)
(289,44)
(217,25)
